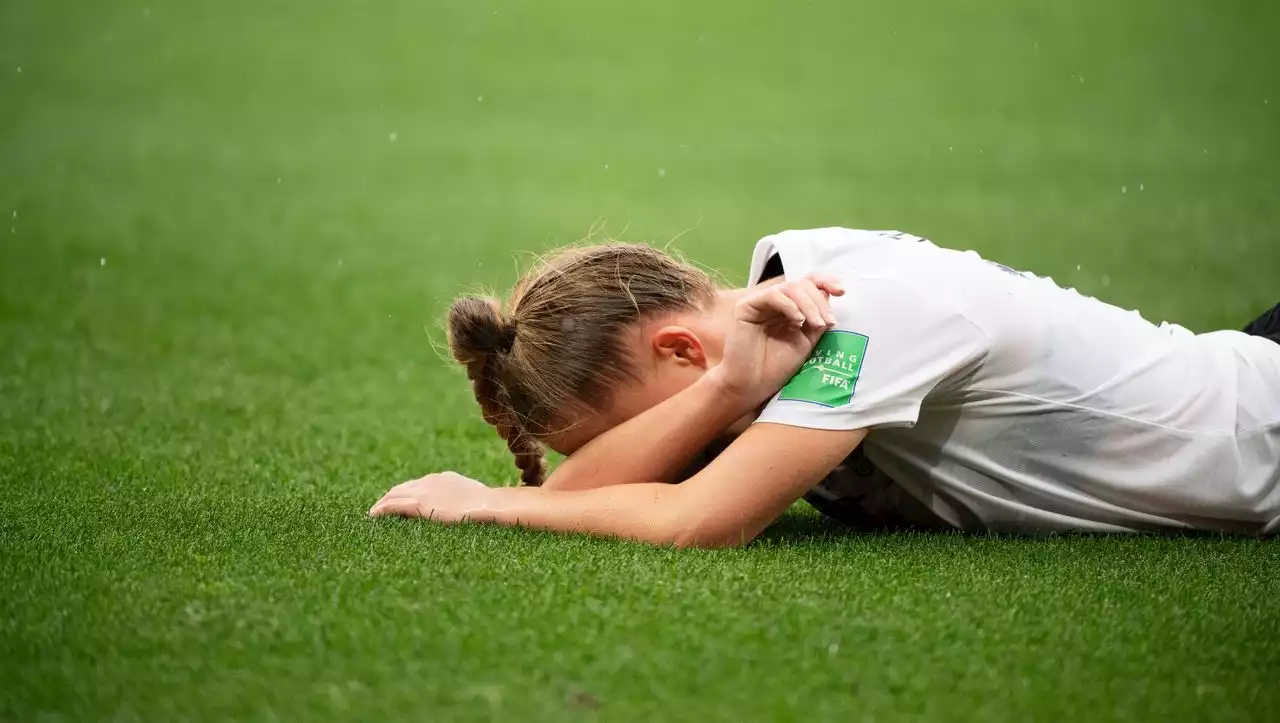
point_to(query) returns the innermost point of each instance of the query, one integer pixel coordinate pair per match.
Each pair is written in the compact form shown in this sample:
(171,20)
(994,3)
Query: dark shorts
(1267,325)
(858,494)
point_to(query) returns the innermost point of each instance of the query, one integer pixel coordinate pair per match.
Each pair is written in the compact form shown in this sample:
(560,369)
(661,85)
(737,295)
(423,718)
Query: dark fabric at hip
(1267,325)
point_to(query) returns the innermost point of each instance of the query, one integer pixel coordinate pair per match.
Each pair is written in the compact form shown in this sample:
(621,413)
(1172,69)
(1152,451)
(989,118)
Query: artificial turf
(230,231)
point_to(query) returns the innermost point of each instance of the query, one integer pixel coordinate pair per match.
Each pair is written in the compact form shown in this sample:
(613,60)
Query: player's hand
(443,497)
(775,328)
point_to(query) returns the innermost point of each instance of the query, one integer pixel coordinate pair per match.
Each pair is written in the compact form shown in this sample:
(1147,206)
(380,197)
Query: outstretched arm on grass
(726,504)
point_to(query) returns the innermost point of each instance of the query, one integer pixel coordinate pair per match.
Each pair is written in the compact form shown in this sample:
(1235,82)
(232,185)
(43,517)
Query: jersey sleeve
(892,347)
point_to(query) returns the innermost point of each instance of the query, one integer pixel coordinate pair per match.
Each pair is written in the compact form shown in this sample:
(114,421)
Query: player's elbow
(708,530)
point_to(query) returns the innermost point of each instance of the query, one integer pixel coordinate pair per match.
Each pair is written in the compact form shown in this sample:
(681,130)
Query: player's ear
(679,344)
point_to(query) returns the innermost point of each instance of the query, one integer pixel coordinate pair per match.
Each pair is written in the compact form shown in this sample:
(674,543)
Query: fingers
(827,283)
(399,507)
(772,304)
(823,301)
(787,305)
(810,285)
(812,299)
(397,500)
(820,288)
(803,301)
(809,300)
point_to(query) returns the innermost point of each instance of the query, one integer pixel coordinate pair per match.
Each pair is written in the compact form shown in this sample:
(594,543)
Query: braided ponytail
(478,336)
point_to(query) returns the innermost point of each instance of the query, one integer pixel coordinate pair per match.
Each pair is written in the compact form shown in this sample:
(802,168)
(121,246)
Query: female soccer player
(997,399)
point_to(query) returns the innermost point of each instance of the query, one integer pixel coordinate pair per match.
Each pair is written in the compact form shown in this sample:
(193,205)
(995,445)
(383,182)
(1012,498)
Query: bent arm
(776,325)
(728,503)
(657,444)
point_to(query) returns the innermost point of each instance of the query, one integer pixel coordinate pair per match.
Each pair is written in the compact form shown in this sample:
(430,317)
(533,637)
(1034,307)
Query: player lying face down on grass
(992,398)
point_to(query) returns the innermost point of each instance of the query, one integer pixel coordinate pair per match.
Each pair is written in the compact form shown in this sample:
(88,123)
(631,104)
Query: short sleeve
(893,346)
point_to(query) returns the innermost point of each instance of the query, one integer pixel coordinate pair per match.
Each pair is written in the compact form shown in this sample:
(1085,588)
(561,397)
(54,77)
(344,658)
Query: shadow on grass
(797,529)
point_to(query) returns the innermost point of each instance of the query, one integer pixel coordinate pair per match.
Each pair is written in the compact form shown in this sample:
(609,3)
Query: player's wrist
(735,397)
(487,505)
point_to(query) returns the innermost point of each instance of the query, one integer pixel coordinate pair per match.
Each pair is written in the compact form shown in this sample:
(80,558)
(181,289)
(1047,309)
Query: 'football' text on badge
(830,374)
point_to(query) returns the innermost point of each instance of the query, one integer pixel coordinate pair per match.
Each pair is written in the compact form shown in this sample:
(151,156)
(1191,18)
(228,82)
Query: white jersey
(1005,402)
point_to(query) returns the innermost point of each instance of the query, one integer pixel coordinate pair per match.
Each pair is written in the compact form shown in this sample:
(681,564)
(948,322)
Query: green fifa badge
(830,374)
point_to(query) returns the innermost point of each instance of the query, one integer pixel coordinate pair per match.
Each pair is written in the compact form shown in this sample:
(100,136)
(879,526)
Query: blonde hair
(557,350)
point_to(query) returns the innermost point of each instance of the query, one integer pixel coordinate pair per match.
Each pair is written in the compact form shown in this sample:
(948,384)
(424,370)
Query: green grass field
(230,231)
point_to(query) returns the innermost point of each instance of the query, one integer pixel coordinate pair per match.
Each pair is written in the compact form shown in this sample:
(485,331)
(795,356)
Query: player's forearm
(656,513)
(657,444)
(651,512)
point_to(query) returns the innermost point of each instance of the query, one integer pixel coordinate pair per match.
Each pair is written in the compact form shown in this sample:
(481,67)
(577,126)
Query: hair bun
(477,328)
